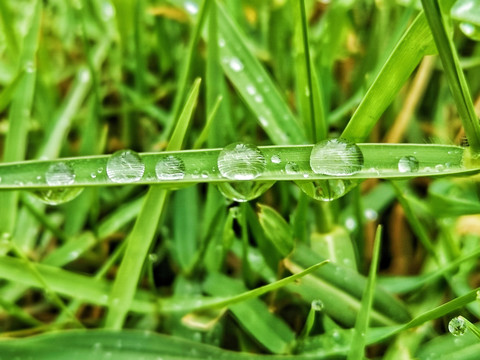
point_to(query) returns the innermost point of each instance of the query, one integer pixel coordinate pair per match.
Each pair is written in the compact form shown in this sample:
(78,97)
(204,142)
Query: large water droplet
(59,195)
(244,190)
(471,30)
(336,157)
(457,326)
(239,161)
(326,190)
(170,168)
(125,166)
(60,174)
(408,164)
(275,159)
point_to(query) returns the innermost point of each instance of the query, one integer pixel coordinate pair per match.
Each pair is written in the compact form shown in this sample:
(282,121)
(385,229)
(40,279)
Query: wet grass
(180,245)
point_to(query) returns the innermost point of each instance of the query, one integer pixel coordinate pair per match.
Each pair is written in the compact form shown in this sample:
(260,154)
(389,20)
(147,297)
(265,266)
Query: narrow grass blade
(19,115)
(380,161)
(357,346)
(254,84)
(120,345)
(9,28)
(453,71)
(142,235)
(8,92)
(413,46)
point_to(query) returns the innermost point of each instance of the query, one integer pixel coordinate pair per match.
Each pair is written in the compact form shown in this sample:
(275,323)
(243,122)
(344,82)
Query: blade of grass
(19,116)
(413,46)
(357,346)
(453,71)
(142,235)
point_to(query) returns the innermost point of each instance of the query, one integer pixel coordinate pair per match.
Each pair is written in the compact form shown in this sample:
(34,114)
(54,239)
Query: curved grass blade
(380,161)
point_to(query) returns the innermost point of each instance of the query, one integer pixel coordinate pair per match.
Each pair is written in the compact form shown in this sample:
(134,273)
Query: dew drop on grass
(191,7)
(457,326)
(242,191)
(251,90)
(292,168)
(408,164)
(326,190)
(470,30)
(235,64)
(125,166)
(58,196)
(60,174)
(317,305)
(336,157)
(275,159)
(239,161)
(170,168)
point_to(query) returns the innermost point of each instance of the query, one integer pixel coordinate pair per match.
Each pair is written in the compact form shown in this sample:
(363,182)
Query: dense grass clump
(210,179)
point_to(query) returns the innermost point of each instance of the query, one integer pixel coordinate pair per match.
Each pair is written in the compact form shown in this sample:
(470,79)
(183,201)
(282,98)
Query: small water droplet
(470,30)
(152,257)
(58,196)
(125,166)
(170,168)
(191,7)
(457,326)
(275,159)
(371,214)
(60,174)
(204,174)
(251,90)
(258,98)
(243,191)
(292,168)
(239,161)
(93,175)
(408,164)
(336,157)
(440,167)
(221,42)
(263,121)
(235,64)
(326,190)
(317,305)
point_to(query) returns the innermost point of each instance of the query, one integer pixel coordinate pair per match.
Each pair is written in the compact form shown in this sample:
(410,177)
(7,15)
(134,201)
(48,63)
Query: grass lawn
(207,179)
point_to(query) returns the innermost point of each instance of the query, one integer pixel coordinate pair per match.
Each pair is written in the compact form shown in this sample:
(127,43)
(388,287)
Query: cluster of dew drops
(239,162)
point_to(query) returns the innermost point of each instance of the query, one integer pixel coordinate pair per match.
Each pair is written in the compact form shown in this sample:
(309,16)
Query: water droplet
(470,30)
(371,214)
(408,164)
(239,161)
(152,257)
(108,11)
(263,121)
(60,174)
(317,305)
(292,168)
(245,190)
(326,190)
(204,174)
(170,168)
(439,167)
(258,98)
(125,166)
(478,295)
(251,90)
(336,157)
(93,175)
(275,159)
(58,196)
(191,7)
(221,42)
(457,326)
(235,64)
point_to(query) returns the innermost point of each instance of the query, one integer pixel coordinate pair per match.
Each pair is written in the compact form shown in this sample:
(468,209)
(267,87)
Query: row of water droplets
(240,162)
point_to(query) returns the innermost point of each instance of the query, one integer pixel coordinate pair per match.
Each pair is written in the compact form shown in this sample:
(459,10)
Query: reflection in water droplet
(244,190)
(408,164)
(317,305)
(292,168)
(336,157)
(235,64)
(60,174)
(170,168)
(59,195)
(239,161)
(457,326)
(472,31)
(326,190)
(125,166)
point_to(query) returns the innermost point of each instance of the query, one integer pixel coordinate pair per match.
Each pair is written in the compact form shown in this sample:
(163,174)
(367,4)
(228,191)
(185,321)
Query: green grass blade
(254,85)
(357,346)
(453,71)
(412,47)
(142,235)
